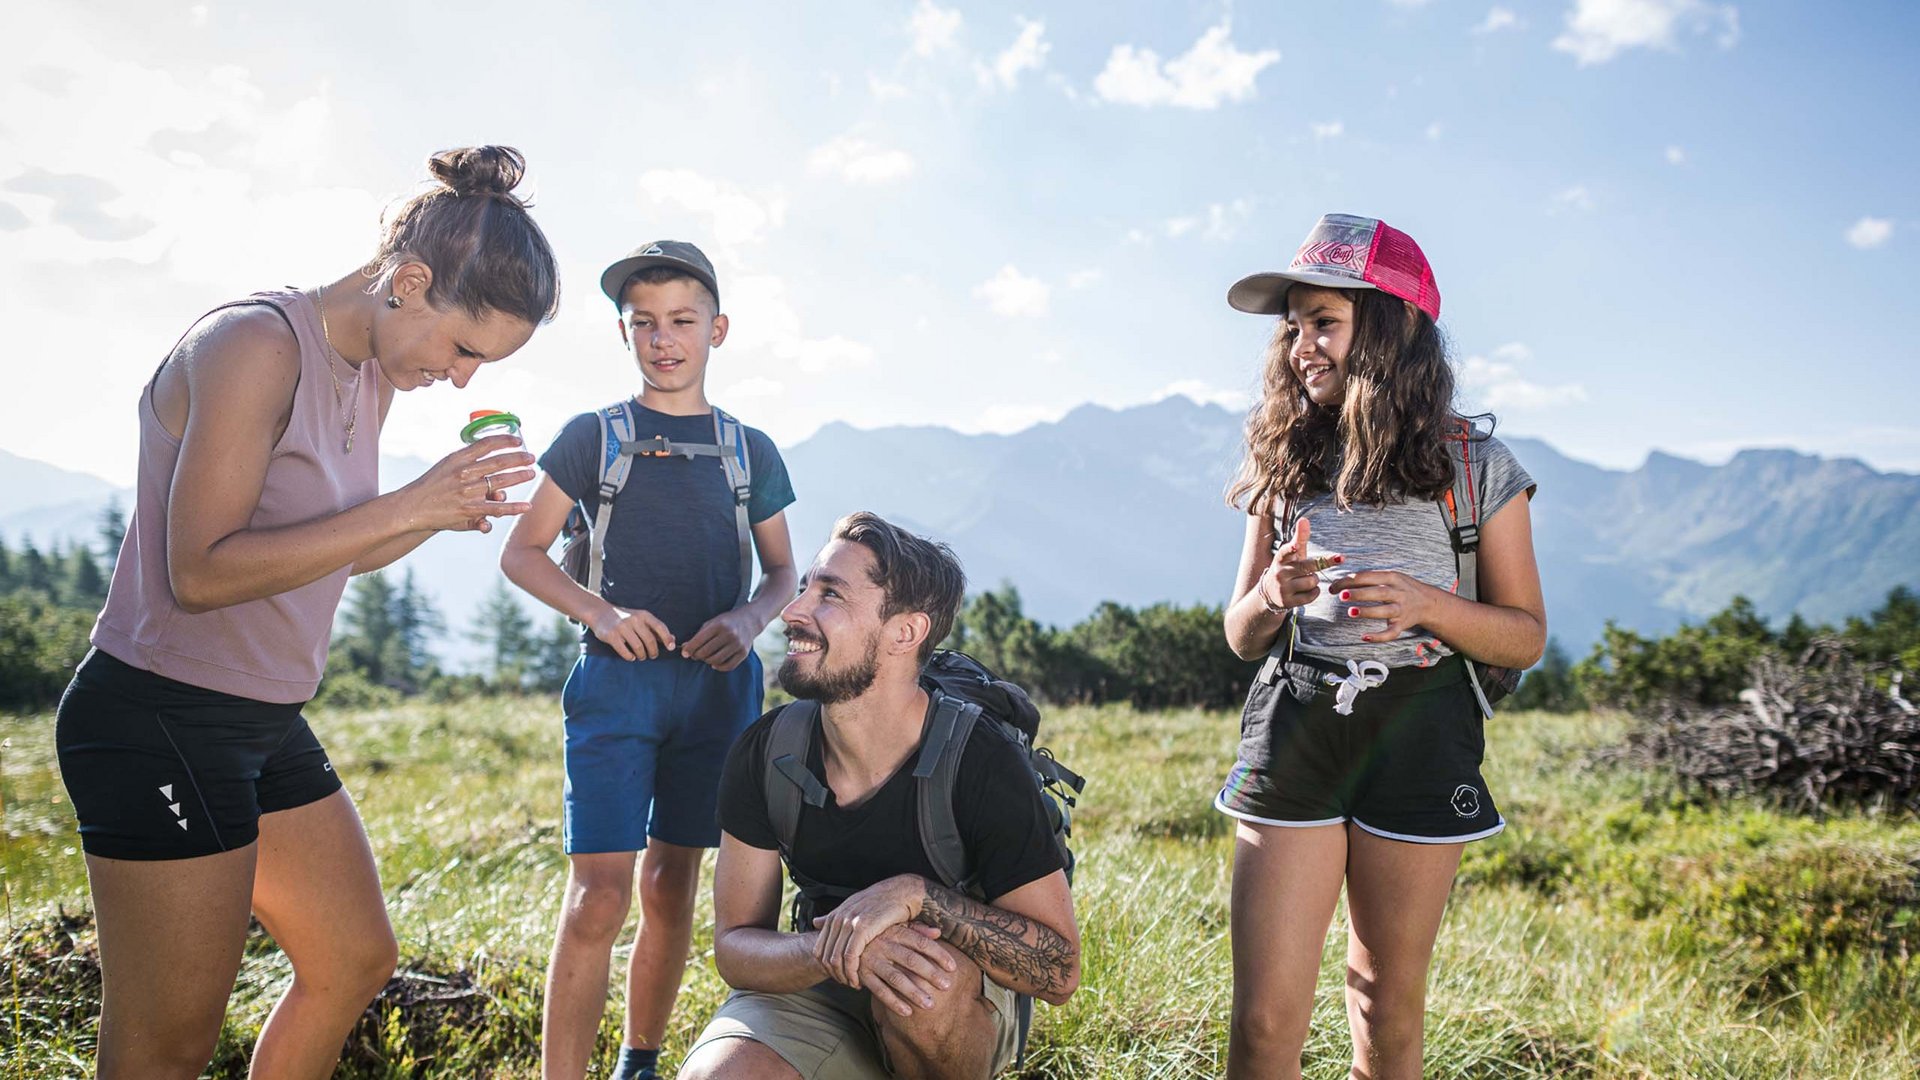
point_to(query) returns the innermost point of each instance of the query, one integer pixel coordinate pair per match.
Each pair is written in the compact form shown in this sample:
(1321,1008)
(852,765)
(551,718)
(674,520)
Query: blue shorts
(645,743)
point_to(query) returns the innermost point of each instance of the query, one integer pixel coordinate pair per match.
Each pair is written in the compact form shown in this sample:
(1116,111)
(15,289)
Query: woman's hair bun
(479,170)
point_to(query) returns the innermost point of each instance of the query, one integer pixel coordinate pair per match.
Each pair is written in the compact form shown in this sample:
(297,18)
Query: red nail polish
(1339,558)
(1366,637)
(1353,613)
(1345,595)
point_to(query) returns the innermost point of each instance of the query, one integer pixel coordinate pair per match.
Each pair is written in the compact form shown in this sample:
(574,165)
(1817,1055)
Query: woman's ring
(489,487)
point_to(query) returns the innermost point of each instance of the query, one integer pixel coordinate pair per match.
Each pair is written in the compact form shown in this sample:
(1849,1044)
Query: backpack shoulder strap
(731,438)
(616,432)
(1460,508)
(787,781)
(936,773)
(1466,535)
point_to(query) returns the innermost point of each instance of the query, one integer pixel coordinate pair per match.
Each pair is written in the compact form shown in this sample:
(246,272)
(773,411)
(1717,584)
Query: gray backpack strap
(616,432)
(732,441)
(937,770)
(1460,508)
(787,781)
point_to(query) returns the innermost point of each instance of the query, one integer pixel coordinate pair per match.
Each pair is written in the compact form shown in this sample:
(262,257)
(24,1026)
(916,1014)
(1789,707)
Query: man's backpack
(1490,684)
(968,702)
(584,552)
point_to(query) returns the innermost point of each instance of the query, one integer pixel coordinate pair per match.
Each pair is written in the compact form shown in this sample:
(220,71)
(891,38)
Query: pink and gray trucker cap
(1345,252)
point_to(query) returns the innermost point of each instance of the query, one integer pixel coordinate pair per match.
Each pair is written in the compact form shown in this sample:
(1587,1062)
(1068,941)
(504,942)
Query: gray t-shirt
(1411,536)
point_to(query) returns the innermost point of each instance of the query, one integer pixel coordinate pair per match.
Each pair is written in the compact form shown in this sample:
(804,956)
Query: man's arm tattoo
(1032,953)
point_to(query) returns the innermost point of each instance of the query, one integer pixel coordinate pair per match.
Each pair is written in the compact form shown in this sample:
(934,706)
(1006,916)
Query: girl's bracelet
(1265,602)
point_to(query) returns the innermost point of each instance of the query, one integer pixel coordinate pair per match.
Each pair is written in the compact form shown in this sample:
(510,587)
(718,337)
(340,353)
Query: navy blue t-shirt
(672,545)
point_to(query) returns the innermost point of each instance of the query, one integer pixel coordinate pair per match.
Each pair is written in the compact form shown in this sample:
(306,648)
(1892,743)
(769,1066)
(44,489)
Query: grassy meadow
(1617,928)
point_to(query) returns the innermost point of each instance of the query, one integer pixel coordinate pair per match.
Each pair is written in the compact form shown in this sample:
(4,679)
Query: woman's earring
(394,301)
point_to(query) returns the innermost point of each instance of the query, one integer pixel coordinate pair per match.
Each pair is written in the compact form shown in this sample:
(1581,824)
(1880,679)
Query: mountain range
(1126,505)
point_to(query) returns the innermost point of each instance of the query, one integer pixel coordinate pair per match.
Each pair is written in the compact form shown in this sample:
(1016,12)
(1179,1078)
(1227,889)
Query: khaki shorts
(827,1033)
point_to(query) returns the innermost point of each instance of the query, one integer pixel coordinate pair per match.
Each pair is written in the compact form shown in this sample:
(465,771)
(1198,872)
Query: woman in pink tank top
(202,794)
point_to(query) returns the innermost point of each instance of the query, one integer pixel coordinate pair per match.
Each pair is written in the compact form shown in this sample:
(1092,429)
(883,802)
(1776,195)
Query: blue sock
(635,1064)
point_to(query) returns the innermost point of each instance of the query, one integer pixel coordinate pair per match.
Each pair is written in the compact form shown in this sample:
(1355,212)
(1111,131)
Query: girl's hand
(465,488)
(1291,578)
(1388,595)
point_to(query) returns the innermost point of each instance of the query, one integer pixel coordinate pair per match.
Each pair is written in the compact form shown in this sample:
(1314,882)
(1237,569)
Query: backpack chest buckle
(658,446)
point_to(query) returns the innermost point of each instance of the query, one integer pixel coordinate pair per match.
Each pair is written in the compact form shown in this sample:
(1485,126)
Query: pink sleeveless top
(272,649)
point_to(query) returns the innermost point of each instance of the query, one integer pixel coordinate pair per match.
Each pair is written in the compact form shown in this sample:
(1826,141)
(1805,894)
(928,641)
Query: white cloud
(1332,129)
(1870,232)
(1080,279)
(885,89)
(1014,294)
(1676,156)
(1434,131)
(756,386)
(767,326)
(1027,53)
(1576,198)
(1497,19)
(1496,382)
(1204,394)
(1219,221)
(1007,419)
(858,161)
(933,27)
(1211,72)
(1599,30)
(736,217)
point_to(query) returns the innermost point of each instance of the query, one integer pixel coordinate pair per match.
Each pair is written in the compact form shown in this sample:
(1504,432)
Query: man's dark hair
(914,573)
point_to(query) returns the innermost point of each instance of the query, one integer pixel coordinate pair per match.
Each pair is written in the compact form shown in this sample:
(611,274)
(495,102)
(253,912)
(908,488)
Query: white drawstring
(1361,675)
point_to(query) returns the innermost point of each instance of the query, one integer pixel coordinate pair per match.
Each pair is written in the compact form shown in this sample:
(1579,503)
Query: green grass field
(1615,930)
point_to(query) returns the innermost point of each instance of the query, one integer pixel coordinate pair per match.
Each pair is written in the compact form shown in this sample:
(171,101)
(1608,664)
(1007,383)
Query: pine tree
(502,625)
(85,585)
(416,623)
(33,571)
(367,631)
(553,657)
(113,532)
(6,568)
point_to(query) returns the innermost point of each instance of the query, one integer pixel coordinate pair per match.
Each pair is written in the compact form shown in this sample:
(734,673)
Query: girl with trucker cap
(1361,741)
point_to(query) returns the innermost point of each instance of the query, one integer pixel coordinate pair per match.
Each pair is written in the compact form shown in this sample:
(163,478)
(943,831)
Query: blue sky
(1656,224)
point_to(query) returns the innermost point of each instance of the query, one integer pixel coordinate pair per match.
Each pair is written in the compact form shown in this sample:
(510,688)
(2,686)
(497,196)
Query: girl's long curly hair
(1386,440)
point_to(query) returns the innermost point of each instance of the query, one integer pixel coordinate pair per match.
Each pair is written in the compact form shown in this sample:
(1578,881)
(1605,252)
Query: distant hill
(1125,504)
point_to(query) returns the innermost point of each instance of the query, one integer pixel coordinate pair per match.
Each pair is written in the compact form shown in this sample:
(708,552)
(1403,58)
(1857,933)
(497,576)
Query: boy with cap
(667,676)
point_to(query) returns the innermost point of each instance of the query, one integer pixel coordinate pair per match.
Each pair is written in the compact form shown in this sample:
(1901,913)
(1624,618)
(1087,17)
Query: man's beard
(831,687)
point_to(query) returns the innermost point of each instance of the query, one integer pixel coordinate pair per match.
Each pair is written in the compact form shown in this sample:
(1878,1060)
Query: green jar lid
(486,418)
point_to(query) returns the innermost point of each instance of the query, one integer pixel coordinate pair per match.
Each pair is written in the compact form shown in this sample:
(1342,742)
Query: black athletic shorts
(1405,764)
(159,769)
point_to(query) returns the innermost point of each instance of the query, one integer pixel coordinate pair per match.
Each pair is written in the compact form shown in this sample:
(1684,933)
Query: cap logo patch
(653,250)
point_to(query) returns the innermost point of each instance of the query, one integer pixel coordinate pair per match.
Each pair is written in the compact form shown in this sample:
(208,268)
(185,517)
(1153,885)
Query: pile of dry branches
(1823,732)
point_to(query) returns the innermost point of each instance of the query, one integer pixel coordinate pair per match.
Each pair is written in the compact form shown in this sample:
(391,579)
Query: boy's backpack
(585,549)
(968,701)
(1490,683)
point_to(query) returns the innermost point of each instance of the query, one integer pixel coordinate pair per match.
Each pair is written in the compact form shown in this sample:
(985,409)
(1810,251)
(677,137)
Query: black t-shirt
(995,802)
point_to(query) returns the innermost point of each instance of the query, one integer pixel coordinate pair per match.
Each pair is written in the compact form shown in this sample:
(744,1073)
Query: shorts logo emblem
(1466,801)
(166,792)
(328,767)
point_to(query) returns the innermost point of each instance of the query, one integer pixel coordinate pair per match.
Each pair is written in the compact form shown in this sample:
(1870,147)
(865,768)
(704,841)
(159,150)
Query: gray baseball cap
(675,253)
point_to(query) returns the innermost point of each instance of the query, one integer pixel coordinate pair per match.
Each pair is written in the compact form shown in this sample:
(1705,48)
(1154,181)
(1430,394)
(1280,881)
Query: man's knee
(735,1059)
(960,1015)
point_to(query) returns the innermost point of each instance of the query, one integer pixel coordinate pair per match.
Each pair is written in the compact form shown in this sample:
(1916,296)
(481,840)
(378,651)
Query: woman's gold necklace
(353,410)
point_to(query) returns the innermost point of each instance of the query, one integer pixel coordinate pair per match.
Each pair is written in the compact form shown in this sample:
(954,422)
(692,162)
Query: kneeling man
(904,977)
